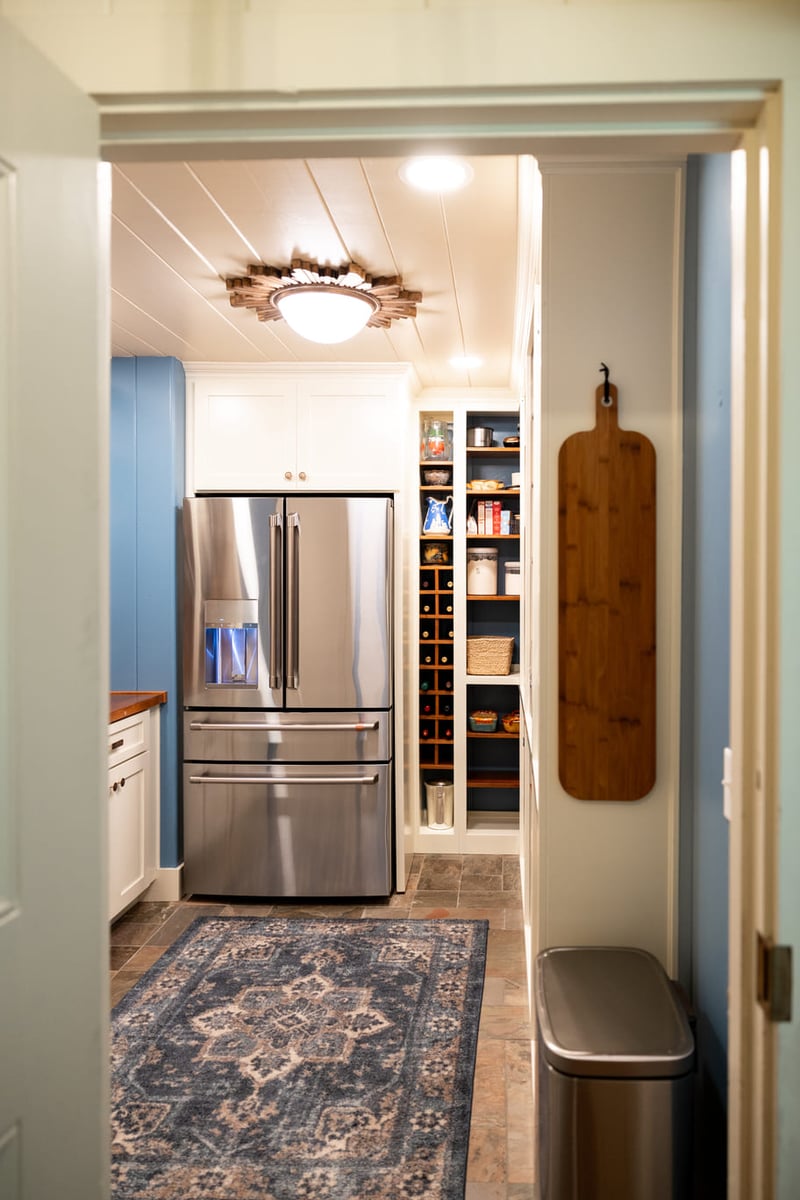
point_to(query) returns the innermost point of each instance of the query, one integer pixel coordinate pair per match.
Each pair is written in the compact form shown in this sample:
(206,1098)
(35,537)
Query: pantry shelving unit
(483,767)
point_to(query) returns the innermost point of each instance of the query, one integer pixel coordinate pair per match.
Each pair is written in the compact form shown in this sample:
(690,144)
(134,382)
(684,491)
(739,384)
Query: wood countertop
(125,704)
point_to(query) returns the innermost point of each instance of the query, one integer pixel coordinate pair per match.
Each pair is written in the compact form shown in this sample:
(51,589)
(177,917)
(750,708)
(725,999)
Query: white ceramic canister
(482,571)
(512,579)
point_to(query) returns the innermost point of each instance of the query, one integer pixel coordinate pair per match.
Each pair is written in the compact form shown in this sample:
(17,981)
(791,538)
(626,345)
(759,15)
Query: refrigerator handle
(292,599)
(275,600)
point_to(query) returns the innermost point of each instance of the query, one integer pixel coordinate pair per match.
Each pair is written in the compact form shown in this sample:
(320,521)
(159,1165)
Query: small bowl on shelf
(483,720)
(436,476)
(511,722)
(511,443)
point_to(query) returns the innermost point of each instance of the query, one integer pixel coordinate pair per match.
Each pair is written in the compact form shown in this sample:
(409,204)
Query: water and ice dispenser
(231,643)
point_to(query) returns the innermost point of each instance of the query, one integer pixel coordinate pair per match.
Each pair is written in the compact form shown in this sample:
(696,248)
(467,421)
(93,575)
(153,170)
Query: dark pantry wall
(705,646)
(147,488)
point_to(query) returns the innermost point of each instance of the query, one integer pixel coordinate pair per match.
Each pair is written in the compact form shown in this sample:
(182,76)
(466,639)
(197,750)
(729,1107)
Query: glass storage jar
(482,571)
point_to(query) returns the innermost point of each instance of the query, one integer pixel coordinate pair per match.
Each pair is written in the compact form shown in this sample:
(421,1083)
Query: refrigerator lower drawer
(219,735)
(316,831)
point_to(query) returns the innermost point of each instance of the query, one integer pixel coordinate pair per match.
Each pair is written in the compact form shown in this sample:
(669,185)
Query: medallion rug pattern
(269,1058)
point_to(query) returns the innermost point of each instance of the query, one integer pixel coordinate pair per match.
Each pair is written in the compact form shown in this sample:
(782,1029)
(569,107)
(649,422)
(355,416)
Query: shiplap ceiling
(180,228)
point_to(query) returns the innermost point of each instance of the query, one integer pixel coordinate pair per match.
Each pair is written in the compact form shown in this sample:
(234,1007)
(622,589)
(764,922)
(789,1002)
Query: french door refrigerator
(287,665)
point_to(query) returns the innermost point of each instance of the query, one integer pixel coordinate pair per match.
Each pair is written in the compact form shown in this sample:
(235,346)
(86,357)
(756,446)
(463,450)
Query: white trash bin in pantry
(615,1059)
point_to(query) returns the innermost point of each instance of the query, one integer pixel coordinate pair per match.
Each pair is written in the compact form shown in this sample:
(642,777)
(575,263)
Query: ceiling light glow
(466,362)
(324,313)
(436,173)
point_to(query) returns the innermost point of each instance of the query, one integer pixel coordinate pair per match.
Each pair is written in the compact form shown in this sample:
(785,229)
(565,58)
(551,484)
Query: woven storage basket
(489,655)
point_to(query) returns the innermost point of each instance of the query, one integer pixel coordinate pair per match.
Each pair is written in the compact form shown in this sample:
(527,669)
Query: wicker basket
(489,655)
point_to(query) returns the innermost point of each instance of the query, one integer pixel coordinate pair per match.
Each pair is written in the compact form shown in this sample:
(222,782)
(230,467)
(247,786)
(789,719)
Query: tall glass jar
(434,439)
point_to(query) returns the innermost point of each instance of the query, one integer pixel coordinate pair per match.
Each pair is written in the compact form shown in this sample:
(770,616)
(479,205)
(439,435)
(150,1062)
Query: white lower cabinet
(132,810)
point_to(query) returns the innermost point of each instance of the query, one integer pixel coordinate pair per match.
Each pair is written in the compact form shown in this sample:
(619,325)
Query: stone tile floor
(500,1165)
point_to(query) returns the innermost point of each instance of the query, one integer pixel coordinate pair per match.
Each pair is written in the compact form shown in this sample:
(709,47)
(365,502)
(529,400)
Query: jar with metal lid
(482,571)
(512,576)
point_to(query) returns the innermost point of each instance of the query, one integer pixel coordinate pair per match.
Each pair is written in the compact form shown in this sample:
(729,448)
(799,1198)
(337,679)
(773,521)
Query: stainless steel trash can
(614,1069)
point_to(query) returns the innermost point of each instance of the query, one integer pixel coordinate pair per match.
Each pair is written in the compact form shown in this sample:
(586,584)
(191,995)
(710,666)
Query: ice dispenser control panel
(231,643)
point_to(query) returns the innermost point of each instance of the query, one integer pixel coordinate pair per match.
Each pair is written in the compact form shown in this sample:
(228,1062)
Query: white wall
(350,45)
(611,292)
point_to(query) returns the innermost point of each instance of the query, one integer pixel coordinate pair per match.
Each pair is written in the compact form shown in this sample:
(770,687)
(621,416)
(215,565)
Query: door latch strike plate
(774,979)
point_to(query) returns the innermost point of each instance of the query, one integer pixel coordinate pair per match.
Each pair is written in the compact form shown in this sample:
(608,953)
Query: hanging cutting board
(607,609)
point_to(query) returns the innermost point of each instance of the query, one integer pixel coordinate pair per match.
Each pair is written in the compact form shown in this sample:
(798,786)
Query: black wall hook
(606,393)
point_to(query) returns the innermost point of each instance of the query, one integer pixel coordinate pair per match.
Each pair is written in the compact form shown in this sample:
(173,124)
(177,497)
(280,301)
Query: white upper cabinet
(315,430)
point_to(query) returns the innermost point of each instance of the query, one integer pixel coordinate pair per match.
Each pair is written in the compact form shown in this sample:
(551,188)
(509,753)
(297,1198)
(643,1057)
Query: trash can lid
(610,1011)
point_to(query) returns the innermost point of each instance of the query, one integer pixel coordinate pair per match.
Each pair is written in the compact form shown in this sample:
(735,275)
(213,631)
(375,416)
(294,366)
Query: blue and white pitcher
(438,518)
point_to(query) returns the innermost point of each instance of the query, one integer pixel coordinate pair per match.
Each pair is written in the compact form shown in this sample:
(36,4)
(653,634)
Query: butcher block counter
(133,795)
(127,704)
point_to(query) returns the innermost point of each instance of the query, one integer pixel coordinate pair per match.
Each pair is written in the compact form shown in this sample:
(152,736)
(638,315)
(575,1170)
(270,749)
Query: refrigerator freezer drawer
(294,831)
(270,737)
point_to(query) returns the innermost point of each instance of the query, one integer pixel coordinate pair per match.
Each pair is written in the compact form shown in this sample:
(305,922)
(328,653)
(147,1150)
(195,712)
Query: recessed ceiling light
(466,362)
(436,173)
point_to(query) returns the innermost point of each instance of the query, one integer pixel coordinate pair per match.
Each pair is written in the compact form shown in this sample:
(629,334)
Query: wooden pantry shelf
(491,596)
(497,733)
(493,779)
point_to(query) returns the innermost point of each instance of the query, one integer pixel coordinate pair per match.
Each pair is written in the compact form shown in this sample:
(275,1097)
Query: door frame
(754,678)
(600,122)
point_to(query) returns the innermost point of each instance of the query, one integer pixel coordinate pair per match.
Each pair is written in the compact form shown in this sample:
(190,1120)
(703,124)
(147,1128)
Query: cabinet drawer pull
(114,786)
(116,745)
(122,782)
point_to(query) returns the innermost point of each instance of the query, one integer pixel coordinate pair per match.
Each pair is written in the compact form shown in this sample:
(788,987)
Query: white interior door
(53,636)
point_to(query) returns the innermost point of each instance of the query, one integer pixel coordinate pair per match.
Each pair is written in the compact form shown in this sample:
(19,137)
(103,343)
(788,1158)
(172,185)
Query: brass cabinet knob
(287,475)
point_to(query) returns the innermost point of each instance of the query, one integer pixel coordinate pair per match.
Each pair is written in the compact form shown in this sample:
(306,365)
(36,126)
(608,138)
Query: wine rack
(436,637)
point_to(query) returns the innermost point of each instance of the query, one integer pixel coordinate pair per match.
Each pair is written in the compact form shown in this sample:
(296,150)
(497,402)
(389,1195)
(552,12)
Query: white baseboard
(167,885)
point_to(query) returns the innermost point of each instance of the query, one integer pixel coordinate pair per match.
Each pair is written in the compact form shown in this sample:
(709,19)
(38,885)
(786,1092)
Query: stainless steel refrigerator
(287,666)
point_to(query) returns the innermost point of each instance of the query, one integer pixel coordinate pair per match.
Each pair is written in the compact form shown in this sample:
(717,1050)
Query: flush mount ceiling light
(436,173)
(323,304)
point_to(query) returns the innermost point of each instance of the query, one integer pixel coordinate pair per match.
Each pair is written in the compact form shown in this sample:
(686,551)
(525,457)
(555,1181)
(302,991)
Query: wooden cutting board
(607,610)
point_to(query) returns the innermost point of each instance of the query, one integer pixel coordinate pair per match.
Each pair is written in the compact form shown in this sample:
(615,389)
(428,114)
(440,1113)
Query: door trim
(592,122)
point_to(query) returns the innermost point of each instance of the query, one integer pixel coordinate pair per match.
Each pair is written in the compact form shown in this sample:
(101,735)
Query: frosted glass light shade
(324,312)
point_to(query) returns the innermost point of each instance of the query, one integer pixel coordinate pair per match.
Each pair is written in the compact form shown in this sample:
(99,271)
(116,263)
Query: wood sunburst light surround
(263,286)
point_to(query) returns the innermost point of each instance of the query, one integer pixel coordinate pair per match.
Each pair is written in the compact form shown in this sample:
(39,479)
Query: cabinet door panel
(245,434)
(128,832)
(350,436)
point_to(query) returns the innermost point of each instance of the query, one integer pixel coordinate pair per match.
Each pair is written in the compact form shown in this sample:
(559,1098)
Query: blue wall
(147,488)
(705,642)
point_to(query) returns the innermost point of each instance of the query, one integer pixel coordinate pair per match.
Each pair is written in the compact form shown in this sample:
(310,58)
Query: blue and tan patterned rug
(267,1058)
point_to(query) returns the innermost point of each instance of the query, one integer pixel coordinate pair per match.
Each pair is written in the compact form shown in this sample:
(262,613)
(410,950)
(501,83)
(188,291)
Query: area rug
(284,1059)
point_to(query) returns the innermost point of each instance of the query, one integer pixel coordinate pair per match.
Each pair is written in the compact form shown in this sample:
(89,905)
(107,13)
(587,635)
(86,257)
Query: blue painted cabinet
(146,493)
